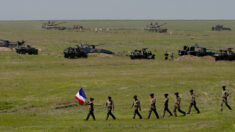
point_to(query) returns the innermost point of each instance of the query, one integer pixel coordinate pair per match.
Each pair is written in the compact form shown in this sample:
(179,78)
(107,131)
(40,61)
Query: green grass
(35,89)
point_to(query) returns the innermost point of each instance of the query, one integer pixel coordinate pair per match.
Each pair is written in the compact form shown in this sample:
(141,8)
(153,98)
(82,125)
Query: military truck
(142,54)
(9,44)
(156,28)
(76,52)
(225,55)
(220,28)
(26,50)
(53,25)
(195,50)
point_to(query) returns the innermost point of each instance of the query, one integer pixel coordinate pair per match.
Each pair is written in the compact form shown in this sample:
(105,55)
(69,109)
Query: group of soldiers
(167,56)
(152,106)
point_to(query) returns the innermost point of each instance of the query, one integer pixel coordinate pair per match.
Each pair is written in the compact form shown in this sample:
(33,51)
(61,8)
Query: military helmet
(224,87)
(166,94)
(152,94)
(109,97)
(191,91)
(135,97)
(176,93)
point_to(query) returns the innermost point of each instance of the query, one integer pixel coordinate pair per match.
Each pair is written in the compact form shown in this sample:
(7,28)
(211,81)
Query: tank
(26,50)
(142,54)
(156,28)
(53,25)
(220,28)
(195,50)
(76,52)
(225,55)
(9,44)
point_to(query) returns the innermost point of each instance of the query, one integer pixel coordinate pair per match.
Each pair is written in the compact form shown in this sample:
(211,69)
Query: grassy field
(37,92)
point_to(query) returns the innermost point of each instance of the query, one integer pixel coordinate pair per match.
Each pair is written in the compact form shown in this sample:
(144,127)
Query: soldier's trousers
(195,106)
(155,112)
(110,113)
(137,112)
(224,101)
(91,112)
(178,108)
(166,109)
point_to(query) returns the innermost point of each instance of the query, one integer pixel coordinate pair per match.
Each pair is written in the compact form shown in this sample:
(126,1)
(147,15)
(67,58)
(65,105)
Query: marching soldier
(152,106)
(166,55)
(192,103)
(177,105)
(225,95)
(166,109)
(110,106)
(136,105)
(91,109)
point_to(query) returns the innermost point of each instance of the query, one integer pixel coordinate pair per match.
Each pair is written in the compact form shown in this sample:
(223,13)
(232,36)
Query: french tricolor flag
(80,96)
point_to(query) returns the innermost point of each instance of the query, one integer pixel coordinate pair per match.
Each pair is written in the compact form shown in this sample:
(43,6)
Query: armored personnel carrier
(195,50)
(142,54)
(76,52)
(156,28)
(91,48)
(220,28)
(225,55)
(53,25)
(26,50)
(8,44)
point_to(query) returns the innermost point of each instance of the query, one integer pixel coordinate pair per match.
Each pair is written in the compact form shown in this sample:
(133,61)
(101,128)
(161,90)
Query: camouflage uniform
(193,103)
(136,105)
(153,108)
(177,106)
(166,109)
(91,110)
(225,95)
(110,107)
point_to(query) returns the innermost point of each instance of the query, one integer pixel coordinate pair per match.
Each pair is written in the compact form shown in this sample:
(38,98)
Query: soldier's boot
(113,116)
(134,116)
(107,117)
(139,115)
(184,113)
(169,112)
(198,111)
(156,114)
(149,114)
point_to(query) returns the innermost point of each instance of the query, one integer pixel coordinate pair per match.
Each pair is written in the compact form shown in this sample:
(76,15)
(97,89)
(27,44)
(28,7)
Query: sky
(116,9)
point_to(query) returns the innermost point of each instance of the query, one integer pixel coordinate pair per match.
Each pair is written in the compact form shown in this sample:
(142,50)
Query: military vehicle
(195,50)
(142,54)
(53,25)
(91,48)
(8,44)
(220,28)
(75,53)
(26,49)
(156,28)
(225,55)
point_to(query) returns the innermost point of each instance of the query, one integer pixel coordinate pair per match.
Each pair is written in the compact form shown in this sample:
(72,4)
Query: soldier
(177,105)
(91,109)
(136,105)
(166,55)
(110,106)
(152,106)
(166,100)
(225,95)
(192,103)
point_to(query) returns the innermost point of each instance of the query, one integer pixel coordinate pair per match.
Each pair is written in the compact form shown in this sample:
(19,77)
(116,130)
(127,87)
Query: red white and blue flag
(80,96)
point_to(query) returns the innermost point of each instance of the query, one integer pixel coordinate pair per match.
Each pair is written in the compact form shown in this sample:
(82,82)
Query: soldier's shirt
(109,104)
(91,106)
(225,94)
(166,102)
(153,103)
(136,104)
(178,99)
(193,98)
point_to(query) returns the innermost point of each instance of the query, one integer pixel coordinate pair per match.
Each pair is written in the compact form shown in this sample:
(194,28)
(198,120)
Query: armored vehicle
(8,44)
(26,49)
(225,55)
(156,28)
(75,53)
(91,48)
(142,54)
(220,28)
(195,50)
(53,25)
